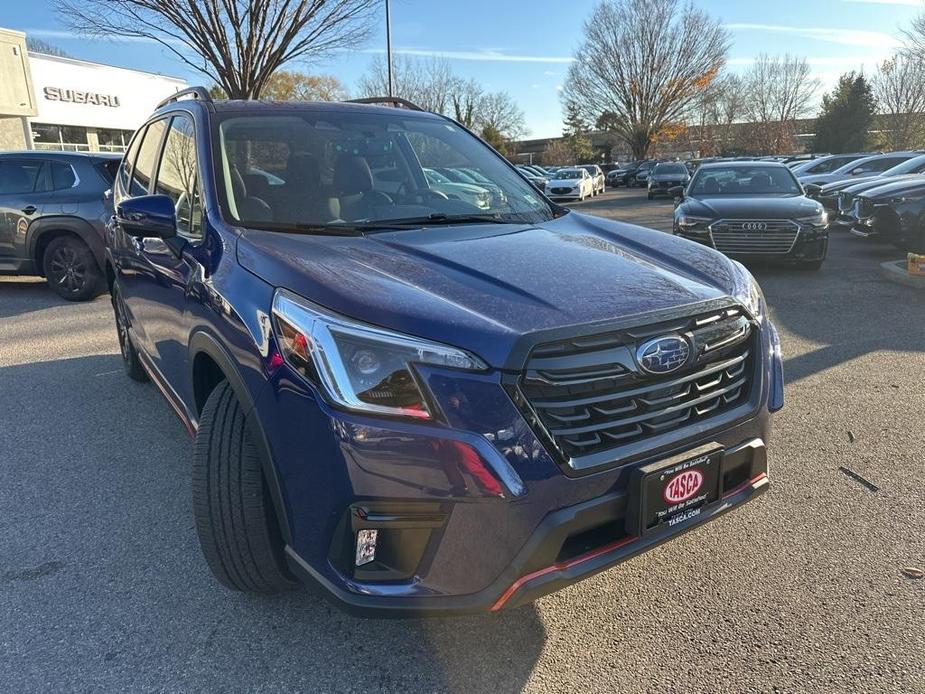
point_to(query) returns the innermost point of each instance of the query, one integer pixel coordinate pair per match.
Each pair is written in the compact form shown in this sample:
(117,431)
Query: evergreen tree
(846,116)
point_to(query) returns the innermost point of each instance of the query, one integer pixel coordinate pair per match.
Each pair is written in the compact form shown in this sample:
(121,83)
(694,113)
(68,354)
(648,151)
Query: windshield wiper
(437,218)
(296,228)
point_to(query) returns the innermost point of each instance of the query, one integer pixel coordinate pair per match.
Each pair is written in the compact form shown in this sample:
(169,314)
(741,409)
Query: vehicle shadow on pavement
(21,294)
(842,312)
(102,579)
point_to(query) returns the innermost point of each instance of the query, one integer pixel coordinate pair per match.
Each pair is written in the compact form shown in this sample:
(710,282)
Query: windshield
(914,165)
(744,180)
(337,171)
(566,174)
(669,169)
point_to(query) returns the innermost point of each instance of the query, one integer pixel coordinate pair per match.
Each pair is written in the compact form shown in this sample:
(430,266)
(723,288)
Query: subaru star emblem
(663,354)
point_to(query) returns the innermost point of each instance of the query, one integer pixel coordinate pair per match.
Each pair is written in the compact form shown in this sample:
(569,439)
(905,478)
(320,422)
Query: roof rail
(397,102)
(199,93)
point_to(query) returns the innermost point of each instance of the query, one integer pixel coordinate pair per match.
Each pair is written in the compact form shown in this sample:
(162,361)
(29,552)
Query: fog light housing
(366,546)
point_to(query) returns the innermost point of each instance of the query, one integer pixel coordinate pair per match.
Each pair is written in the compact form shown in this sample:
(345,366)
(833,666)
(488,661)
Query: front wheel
(71,269)
(237,526)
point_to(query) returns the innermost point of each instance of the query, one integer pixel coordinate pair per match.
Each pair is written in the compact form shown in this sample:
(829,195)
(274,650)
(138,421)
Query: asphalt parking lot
(103,588)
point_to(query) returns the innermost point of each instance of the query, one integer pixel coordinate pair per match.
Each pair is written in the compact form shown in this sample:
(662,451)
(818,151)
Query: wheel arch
(44,230)
(210,365)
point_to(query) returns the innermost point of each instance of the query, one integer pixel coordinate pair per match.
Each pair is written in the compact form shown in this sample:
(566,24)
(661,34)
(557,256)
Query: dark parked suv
(421,405)
(53,213)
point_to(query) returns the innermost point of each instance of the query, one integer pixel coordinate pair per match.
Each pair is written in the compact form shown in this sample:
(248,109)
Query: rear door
(24,190)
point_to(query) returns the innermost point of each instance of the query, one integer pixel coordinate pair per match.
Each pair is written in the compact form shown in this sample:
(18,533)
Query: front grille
(590,395)
(759,237)
(845,201)
(561,191)
(863,208)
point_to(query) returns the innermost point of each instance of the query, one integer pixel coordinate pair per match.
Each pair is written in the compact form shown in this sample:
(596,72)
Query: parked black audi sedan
(665,176)
(752,210)
(894,213)
(52,218)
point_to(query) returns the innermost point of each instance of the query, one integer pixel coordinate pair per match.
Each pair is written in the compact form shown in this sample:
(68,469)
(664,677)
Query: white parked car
(570,184)
(598,179)
(474,195)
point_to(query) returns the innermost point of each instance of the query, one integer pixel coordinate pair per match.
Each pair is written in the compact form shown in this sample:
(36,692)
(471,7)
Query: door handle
(29,209)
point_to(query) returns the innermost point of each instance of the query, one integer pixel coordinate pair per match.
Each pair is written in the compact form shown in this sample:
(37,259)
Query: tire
(130,359)
(234,515)
(71,269)
(811,265)
(650,196)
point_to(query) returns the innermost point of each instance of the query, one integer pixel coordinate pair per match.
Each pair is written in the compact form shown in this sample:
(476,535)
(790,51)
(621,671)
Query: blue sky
(523,46)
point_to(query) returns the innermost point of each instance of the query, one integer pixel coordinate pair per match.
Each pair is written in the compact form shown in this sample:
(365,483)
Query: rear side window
(177,176)
(62,176)
(19,176)
(146,162)
(108,169)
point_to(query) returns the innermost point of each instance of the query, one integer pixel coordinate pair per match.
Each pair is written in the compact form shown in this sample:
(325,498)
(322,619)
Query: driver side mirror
(677,192)
(147,216)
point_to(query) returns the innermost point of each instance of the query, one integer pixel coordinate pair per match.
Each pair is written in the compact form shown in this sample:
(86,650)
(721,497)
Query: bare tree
(780,91)
(427,82)
(642,64)
(236,43)
(899,86)
(499,111)
(466,96)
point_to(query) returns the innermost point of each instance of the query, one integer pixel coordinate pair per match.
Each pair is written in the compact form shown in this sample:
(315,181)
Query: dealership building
(50,102)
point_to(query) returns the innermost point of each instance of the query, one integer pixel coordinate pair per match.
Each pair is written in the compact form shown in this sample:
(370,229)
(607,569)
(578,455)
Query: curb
(895,271)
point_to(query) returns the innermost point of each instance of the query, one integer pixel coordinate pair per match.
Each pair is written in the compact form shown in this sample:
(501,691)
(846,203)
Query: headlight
(819,220)
(688,222)
(357,366)
(746,291)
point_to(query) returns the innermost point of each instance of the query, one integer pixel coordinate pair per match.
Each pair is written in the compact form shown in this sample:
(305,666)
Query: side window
(62,176)
(143,175)
(177,176)
(128,163)
(19,176)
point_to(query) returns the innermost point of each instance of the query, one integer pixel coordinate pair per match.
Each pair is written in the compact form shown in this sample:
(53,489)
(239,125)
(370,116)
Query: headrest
(352,175)
(303,170)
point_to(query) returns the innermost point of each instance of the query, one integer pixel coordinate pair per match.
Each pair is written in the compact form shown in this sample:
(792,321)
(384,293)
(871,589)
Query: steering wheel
(419,195)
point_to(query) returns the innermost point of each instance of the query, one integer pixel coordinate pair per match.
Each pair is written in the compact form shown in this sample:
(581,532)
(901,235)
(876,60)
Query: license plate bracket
(671,491)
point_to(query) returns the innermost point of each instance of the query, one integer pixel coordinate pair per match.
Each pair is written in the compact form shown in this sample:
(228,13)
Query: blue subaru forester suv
(421,403)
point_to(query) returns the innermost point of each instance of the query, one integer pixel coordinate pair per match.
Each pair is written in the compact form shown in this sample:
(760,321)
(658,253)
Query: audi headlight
(688,222)
(819,219)
(359,367)
(746,291)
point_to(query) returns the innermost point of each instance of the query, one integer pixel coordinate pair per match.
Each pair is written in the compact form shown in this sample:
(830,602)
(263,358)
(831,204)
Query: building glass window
(111,140)
(46,136)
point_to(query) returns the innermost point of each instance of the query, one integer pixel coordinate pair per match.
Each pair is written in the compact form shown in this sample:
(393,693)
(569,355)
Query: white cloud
(482,55)
(847,37)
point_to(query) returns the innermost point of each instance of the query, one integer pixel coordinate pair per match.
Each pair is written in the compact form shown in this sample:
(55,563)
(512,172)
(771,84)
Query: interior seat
(353,186)
(249,208)
(303,198)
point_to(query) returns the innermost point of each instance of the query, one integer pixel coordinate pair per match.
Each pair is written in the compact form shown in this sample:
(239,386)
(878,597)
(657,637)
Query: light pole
(388,45)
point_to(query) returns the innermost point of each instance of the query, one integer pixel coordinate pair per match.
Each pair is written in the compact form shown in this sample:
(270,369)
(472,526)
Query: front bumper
(474,514)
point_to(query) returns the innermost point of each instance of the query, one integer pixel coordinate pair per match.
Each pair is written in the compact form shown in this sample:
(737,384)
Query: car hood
(563,181)
(837,186)
(740,207)
(822,179)
(484,287)
(469,188)
(888,189)
(878,181)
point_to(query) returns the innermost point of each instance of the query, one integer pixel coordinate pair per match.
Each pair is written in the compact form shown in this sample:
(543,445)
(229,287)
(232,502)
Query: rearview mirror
(148,216)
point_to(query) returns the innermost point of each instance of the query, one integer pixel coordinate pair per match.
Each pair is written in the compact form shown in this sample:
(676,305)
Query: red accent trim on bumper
(516,585)
(746,484)
(523,580)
